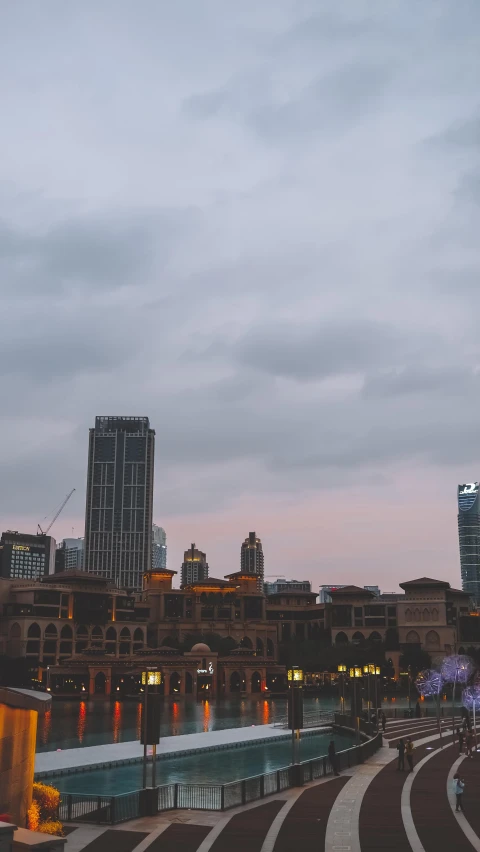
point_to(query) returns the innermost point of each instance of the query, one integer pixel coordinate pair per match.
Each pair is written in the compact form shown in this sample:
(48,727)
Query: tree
(415,659)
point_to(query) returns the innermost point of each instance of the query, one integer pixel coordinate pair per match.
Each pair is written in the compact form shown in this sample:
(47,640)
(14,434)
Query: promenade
(370,808)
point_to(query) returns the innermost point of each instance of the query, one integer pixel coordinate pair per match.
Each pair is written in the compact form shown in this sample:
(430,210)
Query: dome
(201,648)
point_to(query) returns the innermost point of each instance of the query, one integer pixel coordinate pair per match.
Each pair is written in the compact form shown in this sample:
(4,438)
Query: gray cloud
(257,224)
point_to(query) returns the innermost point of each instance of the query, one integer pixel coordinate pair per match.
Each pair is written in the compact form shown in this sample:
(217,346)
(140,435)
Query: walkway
(371,808)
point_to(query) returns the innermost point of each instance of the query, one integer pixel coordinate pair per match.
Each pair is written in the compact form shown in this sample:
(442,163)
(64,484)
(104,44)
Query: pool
(213,767)
(74,724)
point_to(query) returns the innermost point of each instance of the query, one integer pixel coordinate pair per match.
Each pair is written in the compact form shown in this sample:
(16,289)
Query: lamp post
(355,675)
(430,683)
(378,672)
(295,704)
(341,668)
(151,720)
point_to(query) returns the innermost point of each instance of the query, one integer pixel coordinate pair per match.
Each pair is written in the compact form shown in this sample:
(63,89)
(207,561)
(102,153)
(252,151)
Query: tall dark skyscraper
(194,566)
(251,558)
(469,538)
(118,519)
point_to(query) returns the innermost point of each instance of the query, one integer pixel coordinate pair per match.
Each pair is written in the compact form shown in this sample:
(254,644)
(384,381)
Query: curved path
(369,808)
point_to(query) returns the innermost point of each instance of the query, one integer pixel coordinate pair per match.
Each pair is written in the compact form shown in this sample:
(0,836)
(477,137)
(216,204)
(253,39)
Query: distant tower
(469,538)
(194,567)
(159,547)
(118,518)
(251,558)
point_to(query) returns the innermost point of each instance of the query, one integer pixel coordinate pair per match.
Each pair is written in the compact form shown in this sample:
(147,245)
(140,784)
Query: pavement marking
(460,817)
(147,841)
(409,825)
(273,831)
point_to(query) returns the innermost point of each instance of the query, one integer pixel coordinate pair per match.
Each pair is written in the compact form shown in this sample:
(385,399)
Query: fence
(310,720)
(110,810)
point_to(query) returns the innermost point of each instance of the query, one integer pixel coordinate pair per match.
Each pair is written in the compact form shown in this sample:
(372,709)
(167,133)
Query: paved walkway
(370,808)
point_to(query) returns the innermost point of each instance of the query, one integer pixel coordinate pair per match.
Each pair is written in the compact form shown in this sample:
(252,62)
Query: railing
(310,720)
(110,810)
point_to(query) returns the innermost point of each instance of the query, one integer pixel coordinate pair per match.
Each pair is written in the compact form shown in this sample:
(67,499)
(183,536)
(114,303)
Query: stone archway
(188,683)
(235,682)
(100,683)
(175,683)
(256,682)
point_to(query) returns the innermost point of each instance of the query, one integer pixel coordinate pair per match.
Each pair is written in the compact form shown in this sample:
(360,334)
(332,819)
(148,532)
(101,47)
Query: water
(72,724)
(208,768)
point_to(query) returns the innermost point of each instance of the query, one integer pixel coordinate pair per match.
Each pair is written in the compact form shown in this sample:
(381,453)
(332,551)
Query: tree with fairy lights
(430,684)
(456,669)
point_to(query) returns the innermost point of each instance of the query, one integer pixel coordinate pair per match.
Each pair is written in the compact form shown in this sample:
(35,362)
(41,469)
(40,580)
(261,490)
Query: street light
(151,720)
(355,674)
(341,668)
(295,704)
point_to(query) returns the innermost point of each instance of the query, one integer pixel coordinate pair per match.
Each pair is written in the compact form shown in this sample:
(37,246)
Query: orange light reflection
(82,720)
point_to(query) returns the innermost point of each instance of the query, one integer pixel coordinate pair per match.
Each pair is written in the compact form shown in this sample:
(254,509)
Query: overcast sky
(258,224)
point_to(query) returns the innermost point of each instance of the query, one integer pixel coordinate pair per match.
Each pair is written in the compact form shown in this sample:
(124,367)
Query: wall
(18,728)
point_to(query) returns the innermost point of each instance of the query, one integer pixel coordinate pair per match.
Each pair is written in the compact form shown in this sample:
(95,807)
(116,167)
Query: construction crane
(45,532)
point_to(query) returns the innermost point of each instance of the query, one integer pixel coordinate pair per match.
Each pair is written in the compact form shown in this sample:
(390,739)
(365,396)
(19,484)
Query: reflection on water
(72,723)
(82,721)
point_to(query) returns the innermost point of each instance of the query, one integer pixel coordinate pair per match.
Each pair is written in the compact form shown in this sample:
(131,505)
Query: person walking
(401,755)
(384,721)
(409,751)
(470,743)
(332,756)
(458,788)
(461,737)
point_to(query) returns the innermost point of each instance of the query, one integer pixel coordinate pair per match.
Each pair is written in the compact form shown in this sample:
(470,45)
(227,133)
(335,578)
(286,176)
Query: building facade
(69,555)
(325,594)
(251,558)
(26,557)
(194,567)
(159,547)
(287,586)
(469,538)
(118,517)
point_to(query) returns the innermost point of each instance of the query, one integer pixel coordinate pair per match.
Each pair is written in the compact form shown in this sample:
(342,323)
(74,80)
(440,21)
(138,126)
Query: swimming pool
(210,767)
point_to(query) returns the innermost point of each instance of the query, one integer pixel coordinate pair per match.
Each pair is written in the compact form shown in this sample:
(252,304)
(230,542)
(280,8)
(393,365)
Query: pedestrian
(332,756)
(418,712)
(409,751)
(458,788)
(384,722)
(401,755)
(461,737)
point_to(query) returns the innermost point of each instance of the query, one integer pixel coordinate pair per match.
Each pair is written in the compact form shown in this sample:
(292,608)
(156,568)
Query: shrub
(52,826)
(33,816)
(48,799)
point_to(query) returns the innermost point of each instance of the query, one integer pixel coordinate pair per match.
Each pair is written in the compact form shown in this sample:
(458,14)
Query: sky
(258,225)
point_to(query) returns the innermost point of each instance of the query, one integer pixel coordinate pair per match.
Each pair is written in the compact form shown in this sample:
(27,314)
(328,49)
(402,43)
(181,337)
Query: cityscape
(239,456)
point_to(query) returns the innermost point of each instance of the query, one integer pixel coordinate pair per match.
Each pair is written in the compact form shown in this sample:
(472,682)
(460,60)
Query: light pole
(341,668)
(295,704)
(355,675)
(150,721)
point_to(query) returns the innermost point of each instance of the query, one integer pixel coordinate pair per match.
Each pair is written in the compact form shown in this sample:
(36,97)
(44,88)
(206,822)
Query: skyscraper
(118,519)
(159,547)
(194,566)
(26,557)
(469,538)
(69,555)
(251,558)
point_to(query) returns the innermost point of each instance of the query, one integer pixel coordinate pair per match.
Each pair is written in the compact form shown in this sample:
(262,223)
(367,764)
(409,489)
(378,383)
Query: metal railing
(313,719)
(110,810)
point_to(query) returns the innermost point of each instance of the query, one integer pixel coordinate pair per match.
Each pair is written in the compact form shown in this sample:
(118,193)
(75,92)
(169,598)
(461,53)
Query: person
(458,788)
(384,721)
(332,756)
(409,751)
(401,755)
(418,712)
(461,737)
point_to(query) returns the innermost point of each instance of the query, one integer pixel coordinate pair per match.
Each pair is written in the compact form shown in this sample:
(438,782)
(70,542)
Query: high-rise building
(159,547)
(251,558)
(283,585)
(194,566)
(469,538)
(25,557)
(69,555)
(118,519)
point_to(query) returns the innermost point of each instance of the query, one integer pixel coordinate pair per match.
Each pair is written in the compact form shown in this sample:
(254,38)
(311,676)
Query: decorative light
(151,678)
(377,670)
(429,682)
(295,675)
(457,669)
(471,697)
(341,667)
